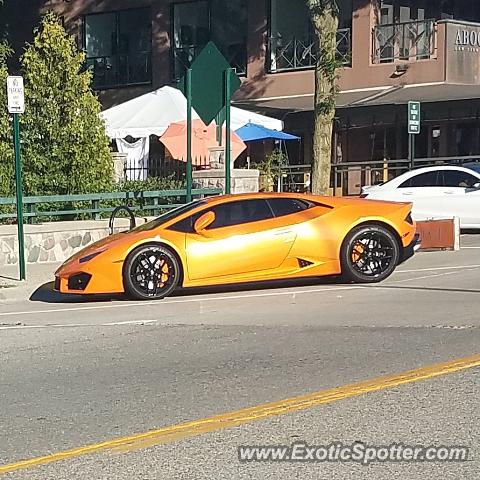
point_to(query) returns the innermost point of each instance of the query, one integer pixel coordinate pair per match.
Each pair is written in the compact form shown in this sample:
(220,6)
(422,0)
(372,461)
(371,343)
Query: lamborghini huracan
(246,238)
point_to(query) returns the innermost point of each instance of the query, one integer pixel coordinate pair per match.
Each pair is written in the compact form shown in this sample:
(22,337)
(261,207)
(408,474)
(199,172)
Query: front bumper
(409,250)
(75,278)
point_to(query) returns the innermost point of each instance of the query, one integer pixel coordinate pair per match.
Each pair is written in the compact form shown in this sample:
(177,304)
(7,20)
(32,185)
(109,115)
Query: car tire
(151,272)
(369,254)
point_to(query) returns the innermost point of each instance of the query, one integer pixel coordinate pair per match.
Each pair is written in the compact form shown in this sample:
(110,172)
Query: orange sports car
(246,238)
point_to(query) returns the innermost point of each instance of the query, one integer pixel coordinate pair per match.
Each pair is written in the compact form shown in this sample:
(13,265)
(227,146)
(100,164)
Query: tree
(64,145)
(7,170)
(324,15)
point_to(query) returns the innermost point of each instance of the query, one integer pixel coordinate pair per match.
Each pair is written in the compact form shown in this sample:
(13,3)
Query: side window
(184,226)
(243,211)
(457,178)
(428,179)
(287,206)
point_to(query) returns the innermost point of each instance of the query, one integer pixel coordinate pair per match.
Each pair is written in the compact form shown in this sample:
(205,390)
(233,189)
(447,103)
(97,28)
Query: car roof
(412,173)
(259,195)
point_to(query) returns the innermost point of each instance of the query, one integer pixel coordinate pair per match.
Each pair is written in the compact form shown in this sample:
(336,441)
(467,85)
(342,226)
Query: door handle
(449,192)
(407,193)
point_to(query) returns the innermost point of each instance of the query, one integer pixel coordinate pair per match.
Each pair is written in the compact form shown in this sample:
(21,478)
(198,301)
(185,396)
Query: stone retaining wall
(54,242)
(243,181)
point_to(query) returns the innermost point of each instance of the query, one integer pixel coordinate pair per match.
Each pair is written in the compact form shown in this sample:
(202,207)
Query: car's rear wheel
(150,272)
(369,254)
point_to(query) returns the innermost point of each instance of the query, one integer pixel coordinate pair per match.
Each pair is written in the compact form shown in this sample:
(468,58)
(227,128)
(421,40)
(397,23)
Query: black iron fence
(161,166)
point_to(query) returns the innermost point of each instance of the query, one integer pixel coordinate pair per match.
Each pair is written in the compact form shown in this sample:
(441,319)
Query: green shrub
(64,146)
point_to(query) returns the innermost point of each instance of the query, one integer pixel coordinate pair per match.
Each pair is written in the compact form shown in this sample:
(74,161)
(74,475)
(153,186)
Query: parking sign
(15,95)
(414,117)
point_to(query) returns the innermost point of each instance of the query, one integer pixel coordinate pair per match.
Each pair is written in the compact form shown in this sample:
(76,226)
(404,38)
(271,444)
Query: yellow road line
(246,415)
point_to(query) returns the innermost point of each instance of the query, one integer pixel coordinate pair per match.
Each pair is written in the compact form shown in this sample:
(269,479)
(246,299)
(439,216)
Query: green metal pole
(228,149)
(188,89)
(19,188)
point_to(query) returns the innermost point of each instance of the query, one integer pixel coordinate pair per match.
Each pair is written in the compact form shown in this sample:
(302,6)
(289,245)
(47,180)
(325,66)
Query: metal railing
(183,57)
(348,178)
(95,204)
(161,166)
(301,53)
(404,41)
(294,178)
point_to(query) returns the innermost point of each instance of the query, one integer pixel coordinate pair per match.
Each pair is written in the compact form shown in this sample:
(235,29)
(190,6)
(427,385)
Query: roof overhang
(385,95)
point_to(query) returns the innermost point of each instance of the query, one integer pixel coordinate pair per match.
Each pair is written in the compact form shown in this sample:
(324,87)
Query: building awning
(427,93)
(304,103)
(387,95)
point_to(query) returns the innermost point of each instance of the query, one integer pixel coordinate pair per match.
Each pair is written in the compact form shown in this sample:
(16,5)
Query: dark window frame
(263,200)
(185,225)
(411,179)
(149,53)
(461,174)
(177,75)
(343,33)
(308,205)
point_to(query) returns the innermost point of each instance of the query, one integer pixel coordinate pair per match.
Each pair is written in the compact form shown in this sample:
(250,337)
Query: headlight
(89,257)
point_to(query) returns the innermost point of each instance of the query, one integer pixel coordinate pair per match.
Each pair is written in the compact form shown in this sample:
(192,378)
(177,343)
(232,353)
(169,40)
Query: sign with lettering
(15,95)
(414,118)
(467,40)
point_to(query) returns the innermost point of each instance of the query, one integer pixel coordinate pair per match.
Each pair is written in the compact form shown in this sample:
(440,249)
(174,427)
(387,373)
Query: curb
(16,293)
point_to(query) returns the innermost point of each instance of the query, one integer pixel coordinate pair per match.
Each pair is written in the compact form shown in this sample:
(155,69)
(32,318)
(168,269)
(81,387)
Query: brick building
(393,51)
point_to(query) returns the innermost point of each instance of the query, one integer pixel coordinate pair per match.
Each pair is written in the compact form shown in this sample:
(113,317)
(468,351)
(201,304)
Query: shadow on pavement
(47,294)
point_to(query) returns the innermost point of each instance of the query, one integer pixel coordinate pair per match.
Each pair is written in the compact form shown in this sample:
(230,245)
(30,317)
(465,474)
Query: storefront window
(405,30)
(397,11)
(118,47)
(196,23)
(292,43)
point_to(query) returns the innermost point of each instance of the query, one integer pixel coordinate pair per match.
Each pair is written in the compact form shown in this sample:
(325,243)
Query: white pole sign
(15,95)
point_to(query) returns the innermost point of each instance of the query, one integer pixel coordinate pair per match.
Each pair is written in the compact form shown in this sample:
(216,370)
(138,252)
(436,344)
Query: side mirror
(204,222)
(477,185)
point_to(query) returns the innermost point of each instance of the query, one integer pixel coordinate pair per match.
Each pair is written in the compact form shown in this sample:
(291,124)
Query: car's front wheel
(369,254)
(150,272)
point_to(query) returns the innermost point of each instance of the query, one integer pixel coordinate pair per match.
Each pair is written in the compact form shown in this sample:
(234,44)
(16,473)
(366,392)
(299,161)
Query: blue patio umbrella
(251,132)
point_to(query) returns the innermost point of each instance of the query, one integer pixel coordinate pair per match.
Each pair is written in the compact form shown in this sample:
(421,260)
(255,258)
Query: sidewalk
(12,290)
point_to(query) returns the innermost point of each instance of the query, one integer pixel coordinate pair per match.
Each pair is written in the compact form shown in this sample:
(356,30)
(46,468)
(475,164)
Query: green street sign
(414,118)
(208,83)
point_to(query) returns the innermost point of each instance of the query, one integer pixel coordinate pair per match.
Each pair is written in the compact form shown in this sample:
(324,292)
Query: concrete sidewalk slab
(13,290)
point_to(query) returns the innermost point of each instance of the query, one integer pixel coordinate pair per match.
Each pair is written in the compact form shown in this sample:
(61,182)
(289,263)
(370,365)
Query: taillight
(409,219)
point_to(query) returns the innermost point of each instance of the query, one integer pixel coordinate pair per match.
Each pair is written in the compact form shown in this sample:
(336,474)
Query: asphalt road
(78,372)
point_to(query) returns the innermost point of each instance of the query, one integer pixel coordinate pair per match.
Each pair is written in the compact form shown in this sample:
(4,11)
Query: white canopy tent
(152,114)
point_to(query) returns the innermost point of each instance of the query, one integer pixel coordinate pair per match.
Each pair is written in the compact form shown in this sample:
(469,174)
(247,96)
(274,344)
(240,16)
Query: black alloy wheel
(369,254)
(150,272)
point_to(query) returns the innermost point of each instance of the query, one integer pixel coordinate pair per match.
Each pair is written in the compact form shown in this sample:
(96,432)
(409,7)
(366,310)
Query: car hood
(103,243)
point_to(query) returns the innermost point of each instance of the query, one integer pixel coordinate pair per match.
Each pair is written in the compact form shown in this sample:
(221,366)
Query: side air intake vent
(303,263)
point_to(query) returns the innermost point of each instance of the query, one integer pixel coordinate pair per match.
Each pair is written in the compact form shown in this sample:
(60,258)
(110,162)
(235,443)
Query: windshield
(167,216)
